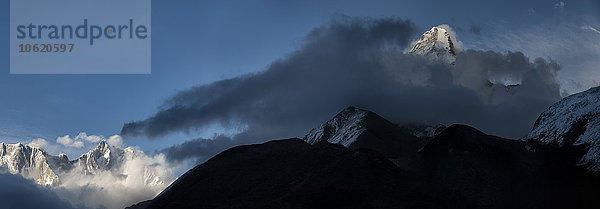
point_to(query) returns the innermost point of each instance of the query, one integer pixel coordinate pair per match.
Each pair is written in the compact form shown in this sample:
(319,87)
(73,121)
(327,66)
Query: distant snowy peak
(31,162)
(575,120)
(106,157)
(437,43)
(102,157)
(45,169)
(343,129)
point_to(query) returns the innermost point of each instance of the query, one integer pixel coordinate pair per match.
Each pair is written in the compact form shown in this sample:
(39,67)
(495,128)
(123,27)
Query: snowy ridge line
(575,120)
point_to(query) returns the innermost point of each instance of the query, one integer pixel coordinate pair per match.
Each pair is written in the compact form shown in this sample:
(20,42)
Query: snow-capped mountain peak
(102,157)
(31,162)
(34,163)
(575,120)
(438,43)
(343,129)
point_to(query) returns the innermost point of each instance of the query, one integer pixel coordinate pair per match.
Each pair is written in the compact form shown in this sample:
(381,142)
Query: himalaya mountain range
(35,163)
(358,158)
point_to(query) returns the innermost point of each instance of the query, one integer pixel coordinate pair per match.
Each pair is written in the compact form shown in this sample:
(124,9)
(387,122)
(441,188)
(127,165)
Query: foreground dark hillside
(482,171)
(459,168)
(292,174)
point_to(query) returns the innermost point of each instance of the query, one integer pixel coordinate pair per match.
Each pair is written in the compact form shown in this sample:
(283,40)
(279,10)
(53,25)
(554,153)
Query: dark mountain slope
(492,172)
(293,174)
(460,167)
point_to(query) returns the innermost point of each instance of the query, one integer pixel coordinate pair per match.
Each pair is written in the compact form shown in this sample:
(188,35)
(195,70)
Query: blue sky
(197,42)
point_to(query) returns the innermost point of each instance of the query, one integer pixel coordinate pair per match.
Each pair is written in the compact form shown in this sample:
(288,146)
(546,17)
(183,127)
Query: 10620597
(46,48)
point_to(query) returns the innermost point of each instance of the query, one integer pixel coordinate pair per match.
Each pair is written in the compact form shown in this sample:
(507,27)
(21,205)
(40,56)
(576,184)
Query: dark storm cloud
(20,193)
(475,29)
(359,62)
(266,98)
(200,149)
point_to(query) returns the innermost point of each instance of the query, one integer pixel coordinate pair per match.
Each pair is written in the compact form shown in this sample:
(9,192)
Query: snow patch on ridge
(575,120)
(343,129)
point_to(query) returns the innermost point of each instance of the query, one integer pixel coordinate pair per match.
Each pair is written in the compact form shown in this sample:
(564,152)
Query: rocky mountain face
(345,128)
(575,120)
(45,169)
(436,43)
(357,128)
(357,160)
(31,162)
(102,157)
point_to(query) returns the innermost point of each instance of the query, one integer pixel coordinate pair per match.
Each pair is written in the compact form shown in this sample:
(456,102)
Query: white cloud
(82,138)
(458,45)
(560,5)
(67,141)
(64,140)
(90,138)
(115,140)
(49,146)
(39,143)
(590,28)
